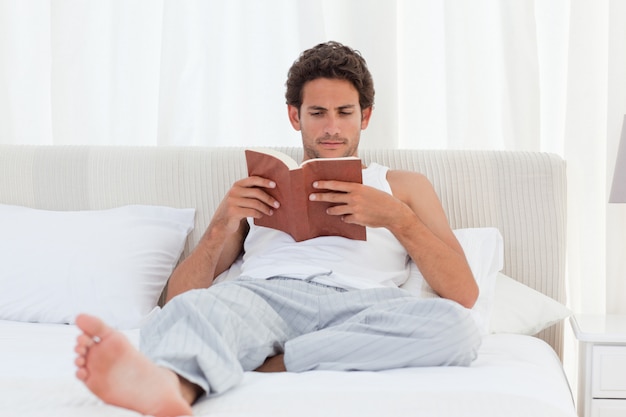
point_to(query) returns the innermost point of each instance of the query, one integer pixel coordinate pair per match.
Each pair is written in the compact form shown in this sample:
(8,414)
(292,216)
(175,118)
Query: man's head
(330,60)
(330,97)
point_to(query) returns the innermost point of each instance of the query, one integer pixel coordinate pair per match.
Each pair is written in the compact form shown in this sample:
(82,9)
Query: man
(326,303)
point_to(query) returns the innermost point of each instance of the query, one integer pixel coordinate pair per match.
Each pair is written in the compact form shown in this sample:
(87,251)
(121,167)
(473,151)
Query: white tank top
(381,261)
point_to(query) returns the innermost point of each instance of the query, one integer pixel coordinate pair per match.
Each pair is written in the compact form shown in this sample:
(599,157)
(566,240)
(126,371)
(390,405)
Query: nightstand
(601,364)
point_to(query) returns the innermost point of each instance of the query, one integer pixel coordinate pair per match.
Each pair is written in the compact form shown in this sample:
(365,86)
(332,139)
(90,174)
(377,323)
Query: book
(297,215)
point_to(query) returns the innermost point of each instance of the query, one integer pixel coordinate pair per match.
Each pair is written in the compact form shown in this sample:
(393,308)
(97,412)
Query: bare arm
(222,242)
(430,241)
(214,254)
(416,218)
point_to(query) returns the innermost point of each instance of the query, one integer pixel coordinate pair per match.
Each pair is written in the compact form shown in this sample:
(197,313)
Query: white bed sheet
(514,375)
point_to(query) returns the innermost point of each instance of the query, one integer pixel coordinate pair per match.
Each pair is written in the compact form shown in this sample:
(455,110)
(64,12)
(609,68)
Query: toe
(93,326)
(84,341)
(80,361)
(81,374)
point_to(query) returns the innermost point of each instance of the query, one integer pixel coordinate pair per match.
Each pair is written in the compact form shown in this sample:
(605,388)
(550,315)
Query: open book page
(289,162)
(345,158)
(301,218)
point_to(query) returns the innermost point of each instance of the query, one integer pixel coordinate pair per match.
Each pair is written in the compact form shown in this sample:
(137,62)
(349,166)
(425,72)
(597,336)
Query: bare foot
(273,364)
(120,375)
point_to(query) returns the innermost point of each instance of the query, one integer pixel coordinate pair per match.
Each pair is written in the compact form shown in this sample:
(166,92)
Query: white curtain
(487,74)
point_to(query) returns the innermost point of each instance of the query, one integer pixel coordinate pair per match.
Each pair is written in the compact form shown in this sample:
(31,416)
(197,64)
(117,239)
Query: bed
(148,207)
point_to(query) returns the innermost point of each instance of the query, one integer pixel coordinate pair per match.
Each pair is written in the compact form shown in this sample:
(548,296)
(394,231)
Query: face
(330,119)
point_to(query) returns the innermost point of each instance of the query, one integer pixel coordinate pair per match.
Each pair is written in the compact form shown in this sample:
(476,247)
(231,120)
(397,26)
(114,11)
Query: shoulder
(400,176)
(405,185)
(416,191)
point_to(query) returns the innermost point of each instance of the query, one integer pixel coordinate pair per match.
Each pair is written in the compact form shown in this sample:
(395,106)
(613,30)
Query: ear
(366,114)
(294,116)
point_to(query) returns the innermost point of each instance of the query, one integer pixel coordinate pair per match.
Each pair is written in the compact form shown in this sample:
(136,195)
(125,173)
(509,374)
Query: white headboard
(523,194)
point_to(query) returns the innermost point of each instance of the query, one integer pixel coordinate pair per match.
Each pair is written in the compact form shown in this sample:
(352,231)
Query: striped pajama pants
(211,336)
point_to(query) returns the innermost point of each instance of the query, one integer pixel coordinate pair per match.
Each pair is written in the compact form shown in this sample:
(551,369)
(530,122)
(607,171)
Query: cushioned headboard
(520,193)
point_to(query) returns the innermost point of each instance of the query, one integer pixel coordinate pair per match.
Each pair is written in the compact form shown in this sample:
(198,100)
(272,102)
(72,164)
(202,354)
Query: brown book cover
(301,218)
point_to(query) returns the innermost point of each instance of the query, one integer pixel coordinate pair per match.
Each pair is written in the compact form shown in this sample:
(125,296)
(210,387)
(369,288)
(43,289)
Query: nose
(332,126)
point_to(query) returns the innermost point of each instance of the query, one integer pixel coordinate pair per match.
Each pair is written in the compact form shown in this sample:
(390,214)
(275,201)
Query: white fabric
(514,376)
(350,264)
(522,194)
(504,305)
(534,75)
(112,263)
(520,309)
(483,249)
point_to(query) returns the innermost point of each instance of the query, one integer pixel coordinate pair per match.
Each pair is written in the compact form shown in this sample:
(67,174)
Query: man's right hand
(222,242)
(246,198)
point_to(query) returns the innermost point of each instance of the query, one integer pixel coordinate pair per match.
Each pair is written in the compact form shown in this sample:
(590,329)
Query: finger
(253,208)
(253,200)
(256,181)
(244,191)
(344,215)
(333,185)
(260,195)
(334,197)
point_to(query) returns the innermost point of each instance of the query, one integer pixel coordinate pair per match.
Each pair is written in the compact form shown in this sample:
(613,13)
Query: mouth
(331,143)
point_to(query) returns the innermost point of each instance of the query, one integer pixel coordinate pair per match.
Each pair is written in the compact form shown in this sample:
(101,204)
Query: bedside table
(601,364)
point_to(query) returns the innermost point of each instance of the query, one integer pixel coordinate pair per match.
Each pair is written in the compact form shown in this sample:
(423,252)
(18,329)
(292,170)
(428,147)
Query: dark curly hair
(330,60)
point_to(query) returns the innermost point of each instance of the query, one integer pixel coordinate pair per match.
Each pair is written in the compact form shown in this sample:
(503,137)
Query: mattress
(514,375)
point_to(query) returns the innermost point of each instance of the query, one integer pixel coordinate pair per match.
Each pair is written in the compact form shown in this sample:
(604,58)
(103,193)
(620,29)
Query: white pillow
(523,310)
(484,251)
(111,263)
